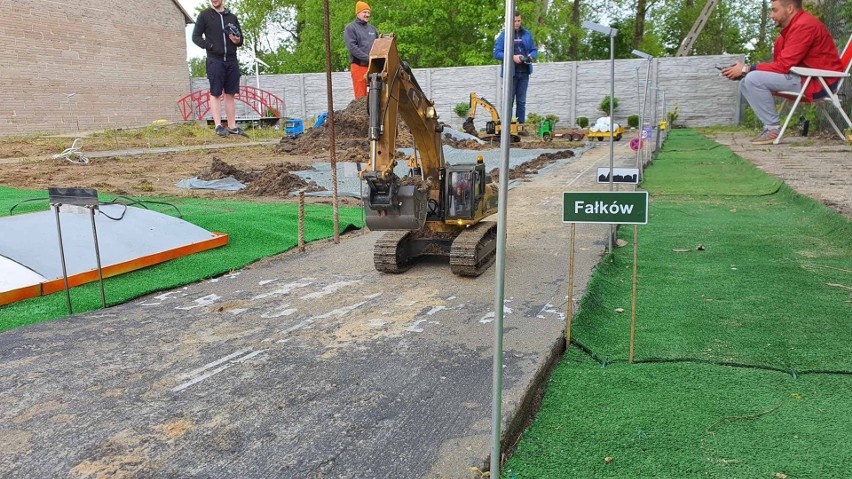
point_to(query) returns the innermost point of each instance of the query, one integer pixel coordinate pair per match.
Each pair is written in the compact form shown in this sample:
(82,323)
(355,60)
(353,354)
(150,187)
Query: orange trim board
(52,286)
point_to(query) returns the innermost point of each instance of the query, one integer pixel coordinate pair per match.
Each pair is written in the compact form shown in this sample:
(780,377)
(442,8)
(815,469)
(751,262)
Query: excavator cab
(464,190)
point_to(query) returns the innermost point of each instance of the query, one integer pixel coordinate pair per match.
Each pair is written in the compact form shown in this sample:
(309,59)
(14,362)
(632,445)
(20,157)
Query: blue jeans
(521,82)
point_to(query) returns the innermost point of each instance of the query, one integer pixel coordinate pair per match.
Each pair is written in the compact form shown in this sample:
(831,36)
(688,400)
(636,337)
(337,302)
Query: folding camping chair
(830,96)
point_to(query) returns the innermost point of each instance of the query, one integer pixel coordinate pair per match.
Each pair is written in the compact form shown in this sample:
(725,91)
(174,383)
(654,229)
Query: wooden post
(570,315)
(301,248)
(633,302)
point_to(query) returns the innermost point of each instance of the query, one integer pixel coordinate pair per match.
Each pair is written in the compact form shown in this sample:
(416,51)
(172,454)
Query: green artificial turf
(741,345)
(256,230)
(760,293)
(691,164)
(685,420)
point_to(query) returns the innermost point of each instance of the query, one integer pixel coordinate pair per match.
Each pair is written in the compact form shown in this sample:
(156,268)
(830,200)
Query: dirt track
(266,169)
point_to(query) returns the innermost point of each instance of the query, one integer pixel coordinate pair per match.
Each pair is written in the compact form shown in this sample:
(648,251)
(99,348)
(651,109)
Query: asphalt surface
(302,365)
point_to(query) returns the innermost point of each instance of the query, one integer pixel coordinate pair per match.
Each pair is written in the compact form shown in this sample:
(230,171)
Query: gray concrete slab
(124,233)
(303,365)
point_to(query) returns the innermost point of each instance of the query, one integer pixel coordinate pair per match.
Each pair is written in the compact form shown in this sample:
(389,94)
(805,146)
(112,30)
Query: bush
(604,106)
(553,118)
(462,109)
(672,116)
(633,121)
(582,121)
(533,120)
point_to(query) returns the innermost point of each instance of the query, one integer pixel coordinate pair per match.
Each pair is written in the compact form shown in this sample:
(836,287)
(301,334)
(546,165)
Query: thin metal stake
(62,258)
(570,317)
(633,301)
(98,255)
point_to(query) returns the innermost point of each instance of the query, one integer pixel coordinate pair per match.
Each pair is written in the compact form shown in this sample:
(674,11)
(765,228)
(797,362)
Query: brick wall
(90,64)
(565,89)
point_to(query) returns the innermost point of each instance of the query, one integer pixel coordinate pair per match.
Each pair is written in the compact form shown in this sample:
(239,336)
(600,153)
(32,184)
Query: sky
(192,51)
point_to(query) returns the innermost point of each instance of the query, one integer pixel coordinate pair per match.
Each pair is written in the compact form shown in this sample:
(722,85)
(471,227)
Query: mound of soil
(533,166)
(468,144)
(219,169)
(273,180)
(350,136)
(276,180)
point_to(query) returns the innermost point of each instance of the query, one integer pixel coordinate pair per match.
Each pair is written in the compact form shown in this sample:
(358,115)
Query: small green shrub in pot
(582,121)
(633,121)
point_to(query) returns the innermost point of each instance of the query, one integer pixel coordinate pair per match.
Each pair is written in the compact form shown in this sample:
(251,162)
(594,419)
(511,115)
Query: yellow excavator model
(435,209)
(493,127)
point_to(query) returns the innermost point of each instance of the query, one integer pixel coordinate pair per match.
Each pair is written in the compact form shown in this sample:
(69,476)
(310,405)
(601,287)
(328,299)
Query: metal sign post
(500,266)
(610,207)
(611,33)
(86,198)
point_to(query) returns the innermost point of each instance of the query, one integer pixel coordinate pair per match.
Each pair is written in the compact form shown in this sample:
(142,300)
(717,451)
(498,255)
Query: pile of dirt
(219,169)
(350,136)
(468,144)
(533,166)
(276,180)
(273,180)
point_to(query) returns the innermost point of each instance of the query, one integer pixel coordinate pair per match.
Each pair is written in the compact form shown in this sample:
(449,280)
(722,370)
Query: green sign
(610,207)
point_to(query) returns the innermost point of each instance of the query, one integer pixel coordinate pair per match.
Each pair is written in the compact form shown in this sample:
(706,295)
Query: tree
(197,67)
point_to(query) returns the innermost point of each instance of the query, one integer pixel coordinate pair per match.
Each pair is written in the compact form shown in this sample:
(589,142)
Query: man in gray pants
(804,41)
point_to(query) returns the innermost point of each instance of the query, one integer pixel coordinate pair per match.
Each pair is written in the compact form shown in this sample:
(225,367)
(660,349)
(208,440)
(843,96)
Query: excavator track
(391,252)
(474,249)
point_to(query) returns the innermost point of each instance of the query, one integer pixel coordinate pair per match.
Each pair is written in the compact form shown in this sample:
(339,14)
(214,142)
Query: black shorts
(223,76)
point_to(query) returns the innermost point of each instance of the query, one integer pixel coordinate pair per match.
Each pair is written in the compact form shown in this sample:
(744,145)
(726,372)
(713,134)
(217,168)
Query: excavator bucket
(390,206)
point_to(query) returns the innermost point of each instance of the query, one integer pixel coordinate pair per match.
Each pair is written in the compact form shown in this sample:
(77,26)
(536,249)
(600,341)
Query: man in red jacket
(804,42)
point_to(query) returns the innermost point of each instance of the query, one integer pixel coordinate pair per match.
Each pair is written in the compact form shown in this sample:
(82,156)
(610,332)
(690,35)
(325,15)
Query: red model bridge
(196,105)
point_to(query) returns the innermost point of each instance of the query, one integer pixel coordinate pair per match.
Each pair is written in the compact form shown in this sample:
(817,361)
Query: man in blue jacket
(525,53)
(217,30)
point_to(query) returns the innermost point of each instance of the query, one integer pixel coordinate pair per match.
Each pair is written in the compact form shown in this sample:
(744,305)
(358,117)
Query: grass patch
(760,295)
(685,420)
(256,230)
(691,164)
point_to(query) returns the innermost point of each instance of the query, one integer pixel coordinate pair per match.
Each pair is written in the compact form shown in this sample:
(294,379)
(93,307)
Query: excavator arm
(394,93)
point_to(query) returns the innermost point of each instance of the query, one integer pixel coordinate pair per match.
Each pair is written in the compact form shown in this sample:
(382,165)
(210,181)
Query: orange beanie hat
(360,7)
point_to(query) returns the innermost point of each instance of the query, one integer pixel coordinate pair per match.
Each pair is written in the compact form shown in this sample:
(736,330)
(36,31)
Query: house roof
(186,15)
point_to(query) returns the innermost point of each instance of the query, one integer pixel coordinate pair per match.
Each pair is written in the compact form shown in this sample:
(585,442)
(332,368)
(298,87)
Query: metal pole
(500,272)
(97,255)
(570,317)
(633,301)
(642,119)
(331,140)
(656,124)
(611,126)
(62,258)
